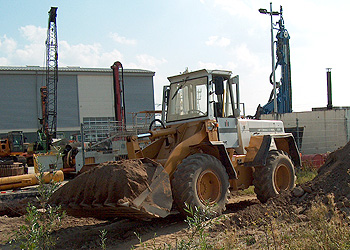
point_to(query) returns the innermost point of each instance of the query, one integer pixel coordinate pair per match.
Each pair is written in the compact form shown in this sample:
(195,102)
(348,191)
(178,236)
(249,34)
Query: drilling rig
(284,87)
(49,91)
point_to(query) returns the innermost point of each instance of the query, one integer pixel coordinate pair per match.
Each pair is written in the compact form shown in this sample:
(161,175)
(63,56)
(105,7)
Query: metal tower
(50,123)
(280,100)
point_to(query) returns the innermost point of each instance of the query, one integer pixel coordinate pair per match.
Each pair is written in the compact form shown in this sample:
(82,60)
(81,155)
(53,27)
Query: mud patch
(16,207)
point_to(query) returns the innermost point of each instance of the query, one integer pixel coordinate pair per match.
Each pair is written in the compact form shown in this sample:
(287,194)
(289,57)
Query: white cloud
(86,55)
(218,41)
(7,45)
(234,7)
(231,66)
(34,34)
(121,39)
(4,61)
(244,12)
(32,54)
(244,56)
(149,62)
(209,65)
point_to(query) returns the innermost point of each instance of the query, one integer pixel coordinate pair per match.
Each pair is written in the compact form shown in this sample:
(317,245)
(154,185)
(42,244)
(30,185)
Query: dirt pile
(109,184)
(333,179)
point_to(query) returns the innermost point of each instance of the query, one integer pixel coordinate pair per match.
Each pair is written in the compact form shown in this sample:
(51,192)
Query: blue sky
(169,36)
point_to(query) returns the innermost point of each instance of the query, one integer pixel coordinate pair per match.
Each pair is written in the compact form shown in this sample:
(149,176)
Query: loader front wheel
(200,181)
(278,175)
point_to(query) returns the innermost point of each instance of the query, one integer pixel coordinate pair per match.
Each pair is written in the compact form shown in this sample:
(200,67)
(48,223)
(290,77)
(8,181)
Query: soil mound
(334,175)
(110,183)
(333,179)
(332,184)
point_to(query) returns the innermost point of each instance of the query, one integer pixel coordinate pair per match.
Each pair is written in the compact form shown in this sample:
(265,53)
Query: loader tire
(200,180)
(278,175)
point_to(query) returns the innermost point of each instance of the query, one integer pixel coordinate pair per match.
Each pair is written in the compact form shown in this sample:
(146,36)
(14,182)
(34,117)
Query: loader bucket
(138,188)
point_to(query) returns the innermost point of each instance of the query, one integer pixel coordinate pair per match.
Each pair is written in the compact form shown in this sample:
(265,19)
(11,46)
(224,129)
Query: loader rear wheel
(278,175)
(200,180)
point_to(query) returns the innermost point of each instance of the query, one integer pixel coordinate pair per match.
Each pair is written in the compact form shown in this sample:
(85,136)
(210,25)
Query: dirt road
(333,180)
(84,233)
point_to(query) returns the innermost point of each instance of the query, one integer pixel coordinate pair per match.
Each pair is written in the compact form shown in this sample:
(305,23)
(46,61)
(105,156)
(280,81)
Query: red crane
(119,102)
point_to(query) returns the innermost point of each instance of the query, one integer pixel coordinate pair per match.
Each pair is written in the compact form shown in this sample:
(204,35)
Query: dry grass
(306,173)
(322,228)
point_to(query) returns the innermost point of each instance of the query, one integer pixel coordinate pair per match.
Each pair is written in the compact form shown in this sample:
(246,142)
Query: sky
(169,36)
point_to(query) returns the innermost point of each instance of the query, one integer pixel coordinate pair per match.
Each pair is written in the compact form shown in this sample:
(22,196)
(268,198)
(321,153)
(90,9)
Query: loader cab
(13,144)
(201,95)
(16,141)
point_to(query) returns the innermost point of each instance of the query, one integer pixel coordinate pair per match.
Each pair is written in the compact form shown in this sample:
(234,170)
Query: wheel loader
(12,159)
(197,154)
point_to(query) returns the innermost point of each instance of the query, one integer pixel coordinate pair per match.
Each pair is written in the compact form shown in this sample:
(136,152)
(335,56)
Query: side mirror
(219,85)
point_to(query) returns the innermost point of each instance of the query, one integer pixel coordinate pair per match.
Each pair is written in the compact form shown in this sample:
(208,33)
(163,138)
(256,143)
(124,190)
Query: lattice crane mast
(49,91)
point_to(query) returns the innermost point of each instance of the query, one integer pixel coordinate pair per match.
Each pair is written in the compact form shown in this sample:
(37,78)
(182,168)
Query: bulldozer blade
(137,188)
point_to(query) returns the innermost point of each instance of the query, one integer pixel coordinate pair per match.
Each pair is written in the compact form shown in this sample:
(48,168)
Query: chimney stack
(329,88)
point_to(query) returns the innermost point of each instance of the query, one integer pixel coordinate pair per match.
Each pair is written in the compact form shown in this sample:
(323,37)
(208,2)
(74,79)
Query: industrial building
(318,131)
(84,95)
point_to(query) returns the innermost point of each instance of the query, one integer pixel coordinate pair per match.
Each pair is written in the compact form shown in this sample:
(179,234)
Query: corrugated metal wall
(82,93)
(95,96)
(67,103)
(21,104)
(139,95)
(18,102)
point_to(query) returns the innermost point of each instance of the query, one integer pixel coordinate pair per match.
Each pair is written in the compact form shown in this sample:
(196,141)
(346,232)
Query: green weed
(198,220)
(103,239)
(40,221)
(305,174)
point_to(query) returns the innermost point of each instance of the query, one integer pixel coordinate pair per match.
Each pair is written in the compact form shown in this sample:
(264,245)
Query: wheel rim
(208,187)
(282,178)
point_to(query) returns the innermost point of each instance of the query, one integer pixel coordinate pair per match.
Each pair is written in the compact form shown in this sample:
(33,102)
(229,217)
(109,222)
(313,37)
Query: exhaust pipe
(329,88)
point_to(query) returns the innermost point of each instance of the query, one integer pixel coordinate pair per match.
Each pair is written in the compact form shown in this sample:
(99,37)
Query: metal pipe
(162,132)
(144,135)
(273,67)
(82,141)
(298,136)
(329,88)
(119,103)
(25,180)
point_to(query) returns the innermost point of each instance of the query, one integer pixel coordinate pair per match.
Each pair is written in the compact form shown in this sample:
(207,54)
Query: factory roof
(76,69)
